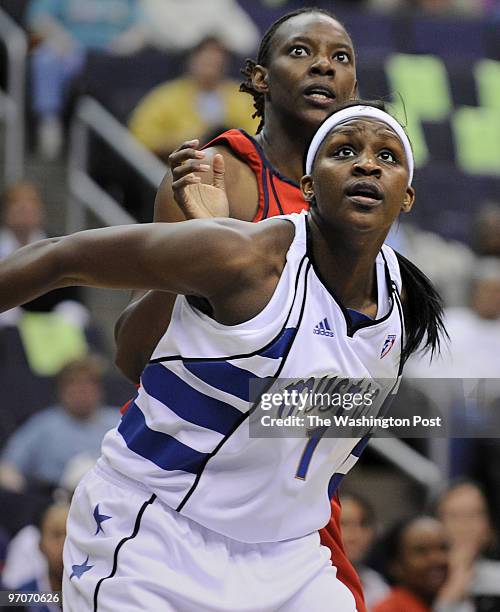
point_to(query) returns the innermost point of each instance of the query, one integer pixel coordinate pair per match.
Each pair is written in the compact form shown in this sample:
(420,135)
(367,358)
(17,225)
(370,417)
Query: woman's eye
(344,152)
(342,56)
(298,51)
(387,156)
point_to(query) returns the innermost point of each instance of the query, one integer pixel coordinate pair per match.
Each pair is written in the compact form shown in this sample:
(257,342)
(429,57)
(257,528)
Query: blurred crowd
(446,557)
(430,7)
(63,32)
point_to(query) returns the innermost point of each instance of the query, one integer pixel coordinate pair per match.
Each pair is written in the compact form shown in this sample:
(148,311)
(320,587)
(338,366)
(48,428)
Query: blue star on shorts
(99,518)
(79,570)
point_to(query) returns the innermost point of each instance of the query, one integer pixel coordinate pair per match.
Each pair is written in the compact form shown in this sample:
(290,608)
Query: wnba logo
(388,344)
(323,328)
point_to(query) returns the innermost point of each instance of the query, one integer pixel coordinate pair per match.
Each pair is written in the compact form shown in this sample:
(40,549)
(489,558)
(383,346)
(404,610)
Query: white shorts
(127,551)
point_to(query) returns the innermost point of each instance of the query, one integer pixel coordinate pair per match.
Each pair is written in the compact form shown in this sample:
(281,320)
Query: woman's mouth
(365,193)
(319,95)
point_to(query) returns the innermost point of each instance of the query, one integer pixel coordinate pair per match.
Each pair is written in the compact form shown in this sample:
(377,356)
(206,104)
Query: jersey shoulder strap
(278,195)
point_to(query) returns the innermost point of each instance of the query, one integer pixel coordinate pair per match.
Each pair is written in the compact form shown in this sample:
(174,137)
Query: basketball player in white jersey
(185,511)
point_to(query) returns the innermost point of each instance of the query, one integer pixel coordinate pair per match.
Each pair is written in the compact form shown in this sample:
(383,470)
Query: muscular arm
(144,321)
(203,257)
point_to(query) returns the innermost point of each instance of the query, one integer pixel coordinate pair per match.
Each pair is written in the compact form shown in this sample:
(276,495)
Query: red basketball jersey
(277,194)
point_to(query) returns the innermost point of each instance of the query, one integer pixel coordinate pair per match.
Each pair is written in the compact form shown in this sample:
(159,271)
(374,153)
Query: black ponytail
(422,311)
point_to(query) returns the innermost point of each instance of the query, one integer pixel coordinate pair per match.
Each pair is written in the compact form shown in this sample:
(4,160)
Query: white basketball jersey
(187,436)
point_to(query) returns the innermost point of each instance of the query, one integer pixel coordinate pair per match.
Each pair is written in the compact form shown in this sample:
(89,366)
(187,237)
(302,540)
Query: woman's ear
(307,187)
(409,199)
(260,79)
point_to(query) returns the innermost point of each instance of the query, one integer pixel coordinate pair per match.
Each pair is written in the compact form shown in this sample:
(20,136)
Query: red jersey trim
(278,195)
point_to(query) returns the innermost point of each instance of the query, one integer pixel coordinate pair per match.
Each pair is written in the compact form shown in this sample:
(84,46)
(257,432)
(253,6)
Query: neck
(346,262)
(284,147)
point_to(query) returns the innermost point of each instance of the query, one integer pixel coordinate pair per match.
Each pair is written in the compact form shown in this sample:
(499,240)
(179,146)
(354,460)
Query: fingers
(186,159)
(188,167)
(185,181)
(187,151)
(218,170)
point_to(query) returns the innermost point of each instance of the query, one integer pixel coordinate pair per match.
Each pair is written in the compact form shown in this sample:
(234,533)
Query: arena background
(438,63)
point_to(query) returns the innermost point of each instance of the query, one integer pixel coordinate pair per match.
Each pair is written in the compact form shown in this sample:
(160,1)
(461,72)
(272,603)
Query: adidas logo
(323,328)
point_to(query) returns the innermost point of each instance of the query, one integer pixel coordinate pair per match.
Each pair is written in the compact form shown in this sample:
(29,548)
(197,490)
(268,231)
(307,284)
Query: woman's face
(360,177)
(311,68)
(464,514)
(357,533)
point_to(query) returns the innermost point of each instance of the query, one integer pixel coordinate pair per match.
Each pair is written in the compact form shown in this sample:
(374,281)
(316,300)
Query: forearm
(29,273)
(139,329)
(193,258)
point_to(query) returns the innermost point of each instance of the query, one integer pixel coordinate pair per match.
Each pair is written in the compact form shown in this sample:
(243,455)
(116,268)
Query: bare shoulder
(241,188)
(241,185)
(267,243)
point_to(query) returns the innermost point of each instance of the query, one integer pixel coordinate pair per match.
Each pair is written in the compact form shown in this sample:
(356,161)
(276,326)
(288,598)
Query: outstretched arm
(201,257)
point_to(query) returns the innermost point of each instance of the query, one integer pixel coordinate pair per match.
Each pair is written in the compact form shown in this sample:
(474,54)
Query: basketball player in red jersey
(305,67)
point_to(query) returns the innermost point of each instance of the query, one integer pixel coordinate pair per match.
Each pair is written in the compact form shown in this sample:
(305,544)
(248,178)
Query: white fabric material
(173,564)
(358,112)
(250,488)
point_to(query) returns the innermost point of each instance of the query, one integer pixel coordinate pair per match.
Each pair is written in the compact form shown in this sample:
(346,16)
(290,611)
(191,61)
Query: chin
(364,222)
(320,114)
(312,116)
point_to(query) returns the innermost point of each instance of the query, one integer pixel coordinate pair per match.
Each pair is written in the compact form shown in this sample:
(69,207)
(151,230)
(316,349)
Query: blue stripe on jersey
(360,446)
(335,480)
(186,402)
(160,448)
(306,456)
(280,345)
(358,317)
(265,212)
(226,377)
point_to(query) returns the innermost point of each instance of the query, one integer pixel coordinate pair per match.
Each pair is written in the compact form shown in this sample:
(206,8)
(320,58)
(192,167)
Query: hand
(198,200)
(460,574)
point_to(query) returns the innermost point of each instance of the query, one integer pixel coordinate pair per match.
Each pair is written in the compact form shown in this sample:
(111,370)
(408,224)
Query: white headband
(358,112)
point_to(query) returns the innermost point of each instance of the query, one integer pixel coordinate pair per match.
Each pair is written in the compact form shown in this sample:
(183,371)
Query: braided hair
(263,59)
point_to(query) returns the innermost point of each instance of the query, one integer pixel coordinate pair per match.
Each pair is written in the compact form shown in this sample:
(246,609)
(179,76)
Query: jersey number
(315,436)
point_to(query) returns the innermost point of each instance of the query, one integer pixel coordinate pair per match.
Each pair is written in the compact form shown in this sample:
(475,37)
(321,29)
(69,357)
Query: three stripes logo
(323,328)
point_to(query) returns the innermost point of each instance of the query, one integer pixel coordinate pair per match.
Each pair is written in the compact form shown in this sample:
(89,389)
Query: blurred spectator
(449,7)
(23,217)
(426,577)
(39,560)
(175,26)
(388,6)
(41,448)
(486,230)
(466,377)
(474,332)
(201,101)
(463,509)
(358,533)
(430,7)
(23,222)
(65,29)
(448,263)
